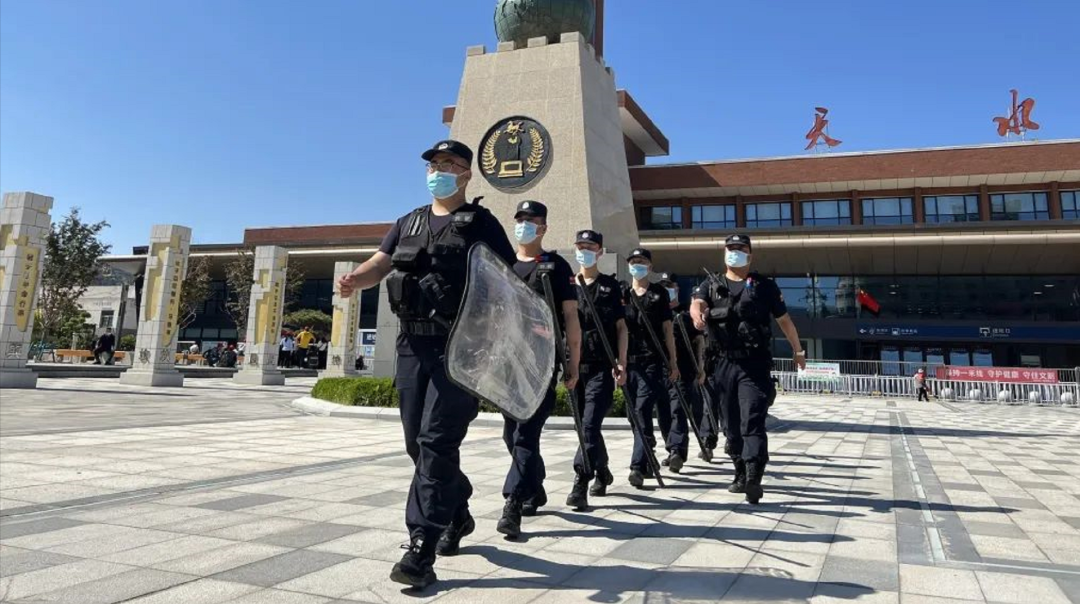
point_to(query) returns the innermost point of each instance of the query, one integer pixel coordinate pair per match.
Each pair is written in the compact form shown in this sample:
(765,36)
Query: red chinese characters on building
(1019,120)
(1013,375)
(820,130)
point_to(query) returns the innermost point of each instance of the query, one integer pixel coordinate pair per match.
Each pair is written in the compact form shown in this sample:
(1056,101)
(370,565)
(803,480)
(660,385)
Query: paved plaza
(219,492)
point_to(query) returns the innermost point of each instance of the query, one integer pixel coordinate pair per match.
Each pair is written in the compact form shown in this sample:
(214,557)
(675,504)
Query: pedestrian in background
(920,385)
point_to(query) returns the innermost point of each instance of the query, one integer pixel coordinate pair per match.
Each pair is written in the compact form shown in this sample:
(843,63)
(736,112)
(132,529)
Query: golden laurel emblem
(516,157)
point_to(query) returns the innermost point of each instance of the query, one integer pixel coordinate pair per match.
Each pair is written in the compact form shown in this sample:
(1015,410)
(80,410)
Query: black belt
(643,358)
(596,367)
(423,328)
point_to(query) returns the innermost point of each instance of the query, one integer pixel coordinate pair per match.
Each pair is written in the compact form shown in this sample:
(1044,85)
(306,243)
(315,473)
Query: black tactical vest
(653,302)
(738,323)
(427,282)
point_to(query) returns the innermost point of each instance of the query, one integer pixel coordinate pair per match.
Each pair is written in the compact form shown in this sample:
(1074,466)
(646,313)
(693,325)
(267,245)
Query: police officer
(425,255)
(736,309)
(674,425)
(597,378)
(524,486)
(647,379)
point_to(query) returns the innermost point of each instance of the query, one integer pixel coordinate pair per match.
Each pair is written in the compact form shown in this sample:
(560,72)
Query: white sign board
(820,372)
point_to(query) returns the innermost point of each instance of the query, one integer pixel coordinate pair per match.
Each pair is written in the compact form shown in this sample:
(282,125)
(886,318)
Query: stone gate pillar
(264,318)
(155,343)
(341,358)
(24,226)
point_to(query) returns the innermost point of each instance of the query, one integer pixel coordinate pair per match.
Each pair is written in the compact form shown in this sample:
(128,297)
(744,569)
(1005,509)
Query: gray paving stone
(116,588)
(651,550)
(1019,503)
(874,574)
(279,569)
(26,561)
(10,530)
(1038,485)
(240,502)
(995,529)
(306,536)
(962,486)
(384,499)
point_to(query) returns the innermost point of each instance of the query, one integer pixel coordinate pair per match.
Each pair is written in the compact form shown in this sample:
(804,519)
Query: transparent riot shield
(502,345)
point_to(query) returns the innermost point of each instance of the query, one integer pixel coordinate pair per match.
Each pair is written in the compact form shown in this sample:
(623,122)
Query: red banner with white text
(1014,375)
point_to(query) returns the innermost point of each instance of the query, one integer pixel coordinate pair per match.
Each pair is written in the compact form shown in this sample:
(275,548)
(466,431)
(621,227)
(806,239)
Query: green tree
(73,252)
(195,290)
(240,275)
(319,321)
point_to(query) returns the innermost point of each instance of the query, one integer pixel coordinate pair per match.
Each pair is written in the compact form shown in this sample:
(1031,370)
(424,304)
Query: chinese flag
(868,302)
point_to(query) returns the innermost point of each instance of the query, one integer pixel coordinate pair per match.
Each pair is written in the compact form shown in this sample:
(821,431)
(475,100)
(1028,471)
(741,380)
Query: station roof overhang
(1013,250)
(1035,163)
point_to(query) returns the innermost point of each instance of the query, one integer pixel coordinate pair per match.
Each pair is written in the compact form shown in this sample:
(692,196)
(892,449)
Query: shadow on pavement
(611,582)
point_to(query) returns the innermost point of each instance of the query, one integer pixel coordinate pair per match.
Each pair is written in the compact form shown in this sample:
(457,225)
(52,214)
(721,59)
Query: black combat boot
(510,523)
(675,462)
(637,478)
(603,481)
(738,484)
(578,499)
(755,471)
(416,566)
(705,455)
(450,542)
(534,503)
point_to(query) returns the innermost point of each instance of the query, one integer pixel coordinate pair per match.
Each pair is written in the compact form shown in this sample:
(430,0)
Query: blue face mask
(673,294)
(442,184)
(586,258)
(525,232)
(639,271)
(736,258)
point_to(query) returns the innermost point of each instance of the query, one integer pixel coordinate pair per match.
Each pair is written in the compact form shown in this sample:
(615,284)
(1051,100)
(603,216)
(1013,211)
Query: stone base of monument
(152,378)
(18,378)
(259,378)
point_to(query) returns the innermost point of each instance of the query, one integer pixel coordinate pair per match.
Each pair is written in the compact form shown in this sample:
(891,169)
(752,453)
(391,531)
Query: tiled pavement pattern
(866,501)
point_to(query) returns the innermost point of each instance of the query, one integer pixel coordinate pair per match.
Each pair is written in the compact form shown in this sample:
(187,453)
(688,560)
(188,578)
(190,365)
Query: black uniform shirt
(655,302)
(762,290)
(489,231)
(606,292)
(562,278)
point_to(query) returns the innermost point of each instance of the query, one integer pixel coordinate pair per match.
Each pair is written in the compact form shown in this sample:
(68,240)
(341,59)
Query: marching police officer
(736,309)
(597,378)
(425,255)
(524,486)
(647,377)
(674,425)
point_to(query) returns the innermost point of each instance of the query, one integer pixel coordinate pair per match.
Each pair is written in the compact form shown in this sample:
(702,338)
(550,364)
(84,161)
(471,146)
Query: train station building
(963,255)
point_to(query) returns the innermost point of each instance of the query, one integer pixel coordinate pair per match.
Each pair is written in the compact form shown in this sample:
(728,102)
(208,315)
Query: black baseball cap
(590,236)
(640,252)
(449,146)
(738,240)
(532,209)
(667,278)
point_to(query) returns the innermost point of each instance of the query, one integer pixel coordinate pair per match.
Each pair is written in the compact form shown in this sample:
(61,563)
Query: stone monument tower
(546,123)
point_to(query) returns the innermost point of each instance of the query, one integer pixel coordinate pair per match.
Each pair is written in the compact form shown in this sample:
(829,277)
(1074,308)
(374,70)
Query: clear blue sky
(225,114)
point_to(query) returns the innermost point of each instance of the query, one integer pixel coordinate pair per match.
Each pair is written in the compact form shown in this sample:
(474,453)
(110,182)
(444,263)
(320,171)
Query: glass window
(1019,206)
(830,212)
(107,318)
(952,208)
(768,214)
(1070,205)
(662,218)
(887,210)
(713,217)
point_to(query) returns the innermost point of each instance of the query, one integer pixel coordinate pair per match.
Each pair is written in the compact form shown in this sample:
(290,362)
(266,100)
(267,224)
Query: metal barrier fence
(904,368)
(1067,394)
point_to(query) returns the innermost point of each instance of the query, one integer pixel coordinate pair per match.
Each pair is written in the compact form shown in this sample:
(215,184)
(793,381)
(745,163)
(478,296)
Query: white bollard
(1034,397)
(1068,399)
(948,394)
(975,395)
(1004,396)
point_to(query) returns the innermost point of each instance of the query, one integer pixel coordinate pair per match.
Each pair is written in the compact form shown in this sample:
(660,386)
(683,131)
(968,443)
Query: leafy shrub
(380,392)
(127,342)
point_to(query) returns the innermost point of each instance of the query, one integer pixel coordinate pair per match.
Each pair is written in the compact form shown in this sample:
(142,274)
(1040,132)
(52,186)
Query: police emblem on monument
(514,153)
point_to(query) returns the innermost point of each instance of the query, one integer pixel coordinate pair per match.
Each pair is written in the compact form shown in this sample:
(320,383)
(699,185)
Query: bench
(82,355)
(190,359)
